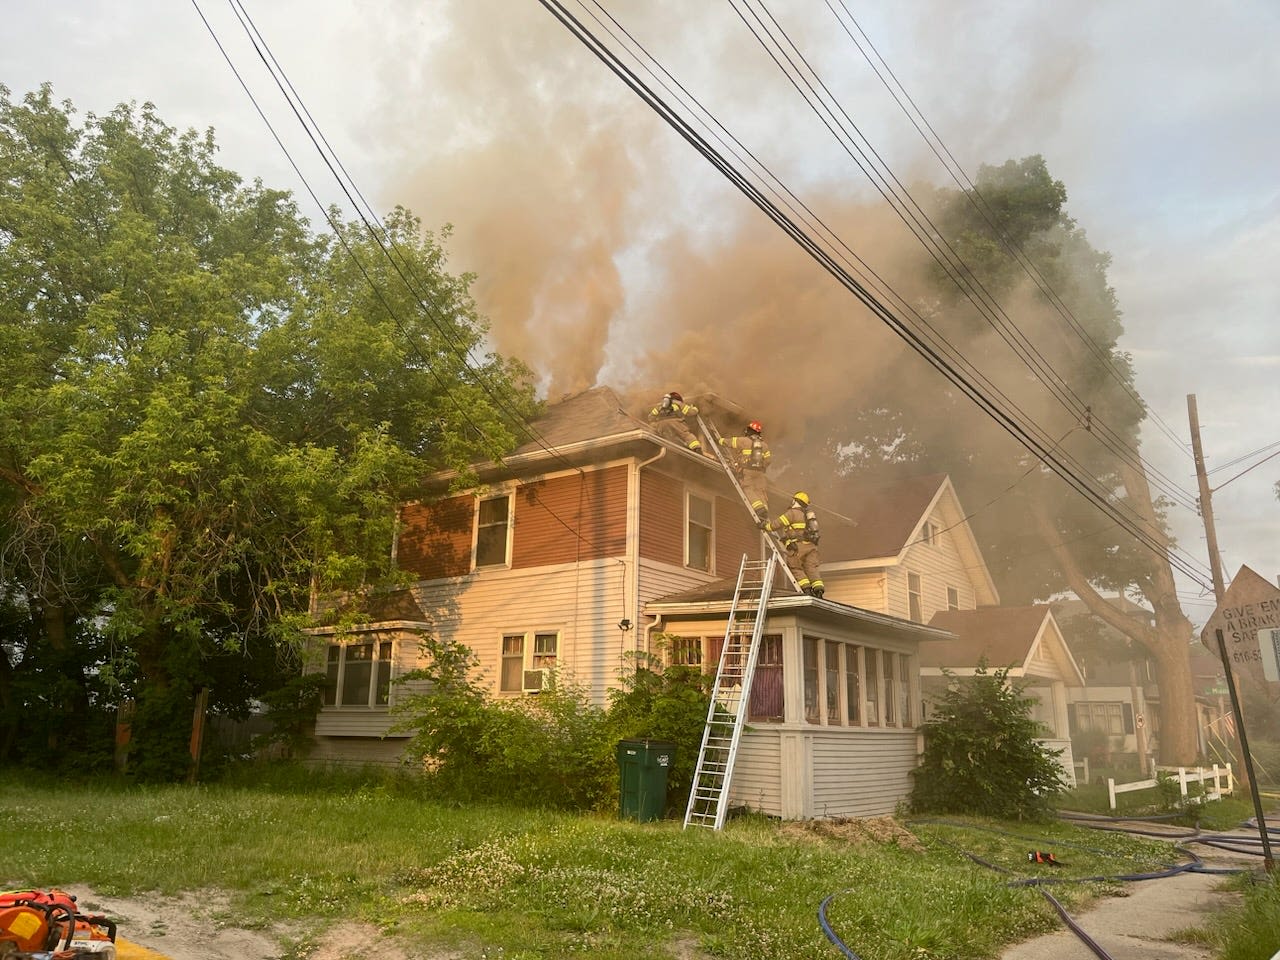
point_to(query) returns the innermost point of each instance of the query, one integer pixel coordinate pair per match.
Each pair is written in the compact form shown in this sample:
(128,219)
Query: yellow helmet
(802,497)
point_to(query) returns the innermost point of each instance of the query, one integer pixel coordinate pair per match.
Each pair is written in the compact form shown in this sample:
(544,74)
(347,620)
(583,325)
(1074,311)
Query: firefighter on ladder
(667,420)
(750,461)
(797,529)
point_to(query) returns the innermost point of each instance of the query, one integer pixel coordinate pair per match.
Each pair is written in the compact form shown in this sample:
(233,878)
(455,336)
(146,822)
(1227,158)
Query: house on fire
(601,540)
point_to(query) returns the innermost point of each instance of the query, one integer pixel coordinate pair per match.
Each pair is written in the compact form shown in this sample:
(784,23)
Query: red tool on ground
(48,925)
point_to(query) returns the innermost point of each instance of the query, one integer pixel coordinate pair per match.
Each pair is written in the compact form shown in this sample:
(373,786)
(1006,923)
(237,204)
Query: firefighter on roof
(667,419)
(750,460)
(797,528)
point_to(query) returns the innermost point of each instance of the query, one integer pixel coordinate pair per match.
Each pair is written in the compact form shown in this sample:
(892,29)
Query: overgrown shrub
(542,751)
(981,754)
(292,710)
(556,749)
(670,704)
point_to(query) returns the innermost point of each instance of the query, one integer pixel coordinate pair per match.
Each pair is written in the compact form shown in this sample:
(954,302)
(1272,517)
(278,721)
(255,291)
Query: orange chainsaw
(48,925)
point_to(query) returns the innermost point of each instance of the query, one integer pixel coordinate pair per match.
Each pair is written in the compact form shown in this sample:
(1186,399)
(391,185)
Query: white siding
(757,772)
(583,602)
(857,589)
(357,751)
(861,773)
(851,773)
(940,566)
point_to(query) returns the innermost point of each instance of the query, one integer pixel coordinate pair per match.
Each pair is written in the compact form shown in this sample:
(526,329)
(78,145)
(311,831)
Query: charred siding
(582,516)
(436,539)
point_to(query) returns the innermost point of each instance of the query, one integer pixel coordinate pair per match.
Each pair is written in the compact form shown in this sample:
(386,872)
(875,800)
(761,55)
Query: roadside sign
(1251,604)
(1269,647)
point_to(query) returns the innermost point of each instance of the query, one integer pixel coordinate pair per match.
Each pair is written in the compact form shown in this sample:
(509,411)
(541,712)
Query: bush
(981,754)
(546,750)
(664,704)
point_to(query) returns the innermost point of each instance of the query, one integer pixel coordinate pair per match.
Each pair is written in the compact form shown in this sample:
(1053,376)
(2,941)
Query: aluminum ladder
(712,438)
(731,694)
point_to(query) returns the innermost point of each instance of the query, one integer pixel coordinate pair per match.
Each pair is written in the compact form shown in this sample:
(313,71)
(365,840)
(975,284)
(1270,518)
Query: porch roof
(715,600)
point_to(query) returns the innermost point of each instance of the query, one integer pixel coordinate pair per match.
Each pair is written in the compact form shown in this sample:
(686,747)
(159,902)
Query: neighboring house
(1027,641)
(1119,699)
(904,549)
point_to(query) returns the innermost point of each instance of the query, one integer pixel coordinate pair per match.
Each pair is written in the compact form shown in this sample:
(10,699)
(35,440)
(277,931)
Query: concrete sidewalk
(1137,924)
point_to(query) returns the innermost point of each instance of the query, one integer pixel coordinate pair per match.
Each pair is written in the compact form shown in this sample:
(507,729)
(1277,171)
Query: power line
(862,152)
(1004,418)
(970,189)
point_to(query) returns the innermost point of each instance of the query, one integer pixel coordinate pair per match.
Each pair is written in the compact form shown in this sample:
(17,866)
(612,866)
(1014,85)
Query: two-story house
(600,539)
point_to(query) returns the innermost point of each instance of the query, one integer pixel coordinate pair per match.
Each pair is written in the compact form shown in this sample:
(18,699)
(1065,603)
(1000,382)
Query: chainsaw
(48,925)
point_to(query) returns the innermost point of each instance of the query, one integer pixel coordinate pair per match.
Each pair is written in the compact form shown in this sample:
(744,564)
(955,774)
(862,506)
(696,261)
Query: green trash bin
(642,772)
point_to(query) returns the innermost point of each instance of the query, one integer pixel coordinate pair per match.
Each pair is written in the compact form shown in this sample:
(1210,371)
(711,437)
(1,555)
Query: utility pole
(1219,593)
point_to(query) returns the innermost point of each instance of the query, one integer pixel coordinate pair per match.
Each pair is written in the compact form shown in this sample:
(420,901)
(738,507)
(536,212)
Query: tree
(1039,536)
(207,411)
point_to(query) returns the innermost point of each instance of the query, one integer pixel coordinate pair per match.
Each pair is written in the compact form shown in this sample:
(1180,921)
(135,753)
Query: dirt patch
(855,831)
(203,926)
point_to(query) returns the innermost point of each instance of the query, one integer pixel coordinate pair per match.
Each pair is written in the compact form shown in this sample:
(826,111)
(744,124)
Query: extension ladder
(731,695)
(712,438)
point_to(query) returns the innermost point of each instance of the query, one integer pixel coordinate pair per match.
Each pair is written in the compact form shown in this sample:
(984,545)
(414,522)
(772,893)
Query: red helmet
(676,397)
(755,426)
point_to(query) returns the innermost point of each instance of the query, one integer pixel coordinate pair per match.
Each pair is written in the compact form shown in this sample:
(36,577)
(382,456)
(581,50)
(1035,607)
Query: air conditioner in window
(534,680)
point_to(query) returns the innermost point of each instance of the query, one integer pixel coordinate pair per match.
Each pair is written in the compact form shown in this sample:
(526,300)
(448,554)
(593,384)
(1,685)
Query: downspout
(633,522)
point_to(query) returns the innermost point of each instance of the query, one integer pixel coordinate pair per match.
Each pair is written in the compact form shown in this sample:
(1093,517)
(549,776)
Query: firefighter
(797,529)
(667,419)
(749,464)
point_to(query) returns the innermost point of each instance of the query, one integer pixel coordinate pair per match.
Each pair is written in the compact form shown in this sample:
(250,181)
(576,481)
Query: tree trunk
(1168,640)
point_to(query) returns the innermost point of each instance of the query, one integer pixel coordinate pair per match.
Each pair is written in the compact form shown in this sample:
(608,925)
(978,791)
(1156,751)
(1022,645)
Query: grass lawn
(498,881)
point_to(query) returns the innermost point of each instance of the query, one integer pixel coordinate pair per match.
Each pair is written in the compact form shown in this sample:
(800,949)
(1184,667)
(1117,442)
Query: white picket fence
(1201,775)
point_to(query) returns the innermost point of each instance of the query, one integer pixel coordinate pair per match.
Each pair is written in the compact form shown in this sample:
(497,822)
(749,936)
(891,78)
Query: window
(907,718)
(512,679)
(545,646)
(929,533)
(767,685)
(890,692)
(685,652)
(698,546)
(1106,718)
(832,664)
(358,674)
(493,526)
(810,679)
(872,659)
(853,683)
(914,607)
(953,598)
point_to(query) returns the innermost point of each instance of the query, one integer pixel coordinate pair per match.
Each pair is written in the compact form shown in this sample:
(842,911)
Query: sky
(607,251)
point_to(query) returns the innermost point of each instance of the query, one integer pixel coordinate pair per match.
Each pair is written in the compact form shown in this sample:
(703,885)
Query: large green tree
(207,411)
(1039,536)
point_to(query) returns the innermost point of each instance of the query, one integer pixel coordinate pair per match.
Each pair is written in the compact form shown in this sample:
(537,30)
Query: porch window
(685,652)
(853,684)
(358,674)
(915,609)
(767,685)
(890,691)
(700,512)
(872,660)
(904,689)
(512,678)
(810,645)
(832,664)
(493,525)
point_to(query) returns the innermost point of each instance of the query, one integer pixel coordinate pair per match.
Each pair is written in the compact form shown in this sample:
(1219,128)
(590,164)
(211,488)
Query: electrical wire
(1007,420)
